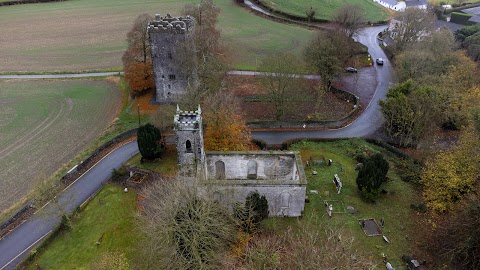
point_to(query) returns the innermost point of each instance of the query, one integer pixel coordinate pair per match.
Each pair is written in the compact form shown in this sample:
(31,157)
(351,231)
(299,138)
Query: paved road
(61,76)
(16,245)
(371,119)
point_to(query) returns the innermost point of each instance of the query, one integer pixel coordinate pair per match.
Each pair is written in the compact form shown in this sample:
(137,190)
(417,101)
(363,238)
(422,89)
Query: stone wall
(277,167)
(232,176)
(283,200)
(171,40)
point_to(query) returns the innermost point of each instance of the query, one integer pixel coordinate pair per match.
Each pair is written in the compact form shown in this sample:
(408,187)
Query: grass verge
(107,219)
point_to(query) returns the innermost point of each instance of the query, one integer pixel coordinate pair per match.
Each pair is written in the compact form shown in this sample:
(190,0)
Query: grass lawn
(44,123)
(166,166)
(327,8)
(394,206)
(78,35)
(108,218)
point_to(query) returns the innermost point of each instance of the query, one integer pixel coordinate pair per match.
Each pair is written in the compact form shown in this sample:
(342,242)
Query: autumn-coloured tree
(137,62)
(139,77)
(409,112)
(450,174)
(225,128)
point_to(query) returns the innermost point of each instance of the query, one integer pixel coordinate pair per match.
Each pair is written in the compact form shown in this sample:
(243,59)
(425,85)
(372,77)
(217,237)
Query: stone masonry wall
(283,200)
(171,45)
(278,168)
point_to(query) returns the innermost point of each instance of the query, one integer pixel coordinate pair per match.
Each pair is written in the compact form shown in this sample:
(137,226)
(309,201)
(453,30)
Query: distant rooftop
(391,2)
(414,3)
(452,26)
(474,10)
(475,19)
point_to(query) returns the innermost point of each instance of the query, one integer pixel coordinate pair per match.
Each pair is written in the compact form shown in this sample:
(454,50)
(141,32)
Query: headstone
(314,172)
(382,222)
(338,183)
(359,166)
(330,162)
(351,209)
(330,210)
(386,239)
(314,191)
(125,190)
(389,266)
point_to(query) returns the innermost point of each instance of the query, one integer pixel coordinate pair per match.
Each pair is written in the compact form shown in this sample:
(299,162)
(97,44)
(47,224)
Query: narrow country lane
(369,121)
(16,245)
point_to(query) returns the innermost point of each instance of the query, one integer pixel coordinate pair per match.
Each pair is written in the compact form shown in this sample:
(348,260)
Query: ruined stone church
(228,177)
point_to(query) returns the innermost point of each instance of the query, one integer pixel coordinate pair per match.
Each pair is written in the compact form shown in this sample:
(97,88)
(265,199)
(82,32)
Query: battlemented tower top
(188,119)
(171,24)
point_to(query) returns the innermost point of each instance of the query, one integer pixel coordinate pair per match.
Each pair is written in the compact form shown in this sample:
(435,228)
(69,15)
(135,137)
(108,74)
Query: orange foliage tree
(137,62)
(225,129)
(139,77)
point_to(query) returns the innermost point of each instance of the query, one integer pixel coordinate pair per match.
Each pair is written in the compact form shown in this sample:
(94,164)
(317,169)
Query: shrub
(252,213)
(409,170)
(460,18)
(419,207)
(148,138)
(371,176)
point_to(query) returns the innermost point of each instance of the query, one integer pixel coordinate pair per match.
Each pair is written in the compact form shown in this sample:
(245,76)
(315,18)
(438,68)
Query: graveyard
(348,209)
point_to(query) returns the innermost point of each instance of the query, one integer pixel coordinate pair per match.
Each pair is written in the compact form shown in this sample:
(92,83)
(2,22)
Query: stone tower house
(173,56)
(189,140)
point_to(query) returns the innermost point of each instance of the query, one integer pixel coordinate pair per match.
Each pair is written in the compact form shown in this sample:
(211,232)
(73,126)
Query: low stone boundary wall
(345,95)
(69,177)
(300,19)
(86,164)
(19,2)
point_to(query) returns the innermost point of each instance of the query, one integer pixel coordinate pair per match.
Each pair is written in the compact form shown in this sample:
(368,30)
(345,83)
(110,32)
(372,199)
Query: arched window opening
(252,169)
(188,146)
(219,170)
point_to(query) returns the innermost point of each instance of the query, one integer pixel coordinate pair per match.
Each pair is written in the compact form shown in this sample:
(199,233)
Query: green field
(46,123)
(394,206)
(78,35)
(109,219)
(326,8)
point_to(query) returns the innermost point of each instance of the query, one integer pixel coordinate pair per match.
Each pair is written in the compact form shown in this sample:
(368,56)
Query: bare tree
(137,62)
(182,230)
(323,57)
(412,25)
(308,247)
(349,18)
(281,81)
(211,57)
(310,13)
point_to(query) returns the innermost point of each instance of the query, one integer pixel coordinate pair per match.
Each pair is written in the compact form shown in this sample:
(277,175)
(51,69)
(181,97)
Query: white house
(392,4)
